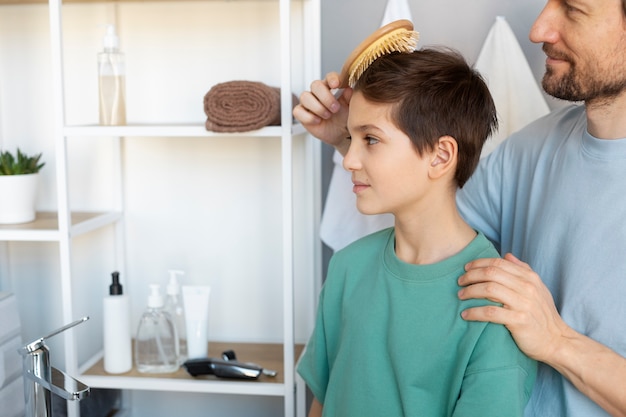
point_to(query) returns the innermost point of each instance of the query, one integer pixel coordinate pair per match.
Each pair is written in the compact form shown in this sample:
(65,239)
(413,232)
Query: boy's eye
(371,141)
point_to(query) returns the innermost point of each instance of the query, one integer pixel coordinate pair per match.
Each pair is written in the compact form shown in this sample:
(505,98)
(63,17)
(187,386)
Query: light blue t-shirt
(555,197)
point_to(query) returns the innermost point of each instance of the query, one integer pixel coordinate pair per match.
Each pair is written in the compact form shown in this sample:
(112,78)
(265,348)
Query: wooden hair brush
(397,36)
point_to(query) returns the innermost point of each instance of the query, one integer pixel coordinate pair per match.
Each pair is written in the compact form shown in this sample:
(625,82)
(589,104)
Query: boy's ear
(444,157)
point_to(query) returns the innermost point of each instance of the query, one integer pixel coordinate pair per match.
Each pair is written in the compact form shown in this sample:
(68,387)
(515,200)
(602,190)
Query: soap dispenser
(174,306)
(156,344)
(111,81)
(116,326)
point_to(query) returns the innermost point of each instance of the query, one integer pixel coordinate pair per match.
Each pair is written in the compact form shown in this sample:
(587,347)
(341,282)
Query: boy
(389,338)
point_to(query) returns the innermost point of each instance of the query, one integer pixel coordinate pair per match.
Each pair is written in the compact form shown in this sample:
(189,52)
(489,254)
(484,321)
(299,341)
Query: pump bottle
(156,344)
(111,81)
(117,337)
(174,306)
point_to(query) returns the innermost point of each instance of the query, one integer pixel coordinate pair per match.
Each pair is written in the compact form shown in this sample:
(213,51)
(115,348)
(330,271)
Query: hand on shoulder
(527,307)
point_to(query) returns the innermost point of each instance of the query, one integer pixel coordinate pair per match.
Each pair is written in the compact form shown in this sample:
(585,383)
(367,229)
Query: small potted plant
(19,174)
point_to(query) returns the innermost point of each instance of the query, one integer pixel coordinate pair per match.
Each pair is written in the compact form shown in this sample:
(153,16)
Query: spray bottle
(111,81)
(174,306)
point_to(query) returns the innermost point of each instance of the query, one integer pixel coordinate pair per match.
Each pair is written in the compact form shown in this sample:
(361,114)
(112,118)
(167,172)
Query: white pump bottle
(117,337)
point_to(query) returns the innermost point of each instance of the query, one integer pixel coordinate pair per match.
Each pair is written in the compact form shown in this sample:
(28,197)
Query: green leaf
(23,164)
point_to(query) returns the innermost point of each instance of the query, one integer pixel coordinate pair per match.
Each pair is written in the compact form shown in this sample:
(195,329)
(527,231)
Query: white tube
(196,303)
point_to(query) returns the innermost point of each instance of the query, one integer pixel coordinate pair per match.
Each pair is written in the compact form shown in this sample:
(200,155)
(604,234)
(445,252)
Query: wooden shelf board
(48,220)
(267,355)
(45,227)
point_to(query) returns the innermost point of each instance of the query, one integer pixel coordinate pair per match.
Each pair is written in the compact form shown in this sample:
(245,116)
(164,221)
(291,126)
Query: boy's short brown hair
(434,93)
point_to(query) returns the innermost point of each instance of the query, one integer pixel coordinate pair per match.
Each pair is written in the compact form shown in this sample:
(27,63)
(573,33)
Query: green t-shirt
(389,340)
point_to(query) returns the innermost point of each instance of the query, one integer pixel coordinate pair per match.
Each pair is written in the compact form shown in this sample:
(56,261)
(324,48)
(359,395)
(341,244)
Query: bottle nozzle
(115,288)
(172,286)
(110,40)
(155,299)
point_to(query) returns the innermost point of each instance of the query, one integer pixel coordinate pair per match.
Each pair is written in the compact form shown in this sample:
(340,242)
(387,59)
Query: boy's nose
(351,161)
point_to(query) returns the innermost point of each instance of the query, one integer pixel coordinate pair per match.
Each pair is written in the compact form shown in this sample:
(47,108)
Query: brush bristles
(401,40)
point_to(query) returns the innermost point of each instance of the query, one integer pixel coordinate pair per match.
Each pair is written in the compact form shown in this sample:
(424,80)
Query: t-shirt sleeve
(499,378)
(314,365)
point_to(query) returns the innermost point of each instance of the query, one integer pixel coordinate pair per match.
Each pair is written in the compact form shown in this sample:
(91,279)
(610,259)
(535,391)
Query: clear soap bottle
(156,344)
(174,306)
(111,81)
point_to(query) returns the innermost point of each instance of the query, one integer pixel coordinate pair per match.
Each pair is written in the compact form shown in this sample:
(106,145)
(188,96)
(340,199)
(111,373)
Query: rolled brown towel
(241,106)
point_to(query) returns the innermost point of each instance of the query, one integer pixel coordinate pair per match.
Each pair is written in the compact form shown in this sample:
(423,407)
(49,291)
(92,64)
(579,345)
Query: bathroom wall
(155,191)
(456,23)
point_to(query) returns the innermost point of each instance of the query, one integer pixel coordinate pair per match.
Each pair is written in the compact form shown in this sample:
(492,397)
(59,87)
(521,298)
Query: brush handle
(337,92)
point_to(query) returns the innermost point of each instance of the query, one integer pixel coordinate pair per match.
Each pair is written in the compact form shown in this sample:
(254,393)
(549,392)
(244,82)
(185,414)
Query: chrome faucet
(41,379)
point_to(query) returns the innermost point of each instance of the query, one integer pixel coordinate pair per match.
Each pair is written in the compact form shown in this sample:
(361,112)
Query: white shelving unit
(64,226)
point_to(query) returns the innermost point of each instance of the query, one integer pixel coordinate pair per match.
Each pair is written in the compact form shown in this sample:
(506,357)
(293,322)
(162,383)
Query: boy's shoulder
(486,248)
(362,251)
(373,242)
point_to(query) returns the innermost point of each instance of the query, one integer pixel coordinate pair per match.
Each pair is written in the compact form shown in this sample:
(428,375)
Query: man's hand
(527,310)
(324,115)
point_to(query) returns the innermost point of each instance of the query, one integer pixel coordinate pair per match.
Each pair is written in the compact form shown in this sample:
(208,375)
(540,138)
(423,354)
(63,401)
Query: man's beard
(582,85)
(564,88)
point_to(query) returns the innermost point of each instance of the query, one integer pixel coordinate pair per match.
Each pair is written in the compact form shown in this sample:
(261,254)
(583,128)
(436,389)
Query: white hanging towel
(341,222)
(396,10)
(515,91)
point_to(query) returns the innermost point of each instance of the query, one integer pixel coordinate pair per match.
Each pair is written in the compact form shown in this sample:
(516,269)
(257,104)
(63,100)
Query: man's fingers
(310,103)
(323,94)
(305,117)
(493,314)
(491,291)
(495,269)
(512,258)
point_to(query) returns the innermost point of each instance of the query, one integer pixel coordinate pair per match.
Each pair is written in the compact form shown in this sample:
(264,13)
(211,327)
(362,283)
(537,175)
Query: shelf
(285,154)
(268,355)
(45,227)
(177,130)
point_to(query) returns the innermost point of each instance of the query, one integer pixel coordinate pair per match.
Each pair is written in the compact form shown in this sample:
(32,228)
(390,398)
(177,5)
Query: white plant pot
(17,198)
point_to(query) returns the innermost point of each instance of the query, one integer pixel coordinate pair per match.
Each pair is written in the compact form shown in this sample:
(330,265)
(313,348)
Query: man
(553,195)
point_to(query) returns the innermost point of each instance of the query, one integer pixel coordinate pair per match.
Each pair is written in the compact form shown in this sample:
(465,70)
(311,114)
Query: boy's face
(388,174)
